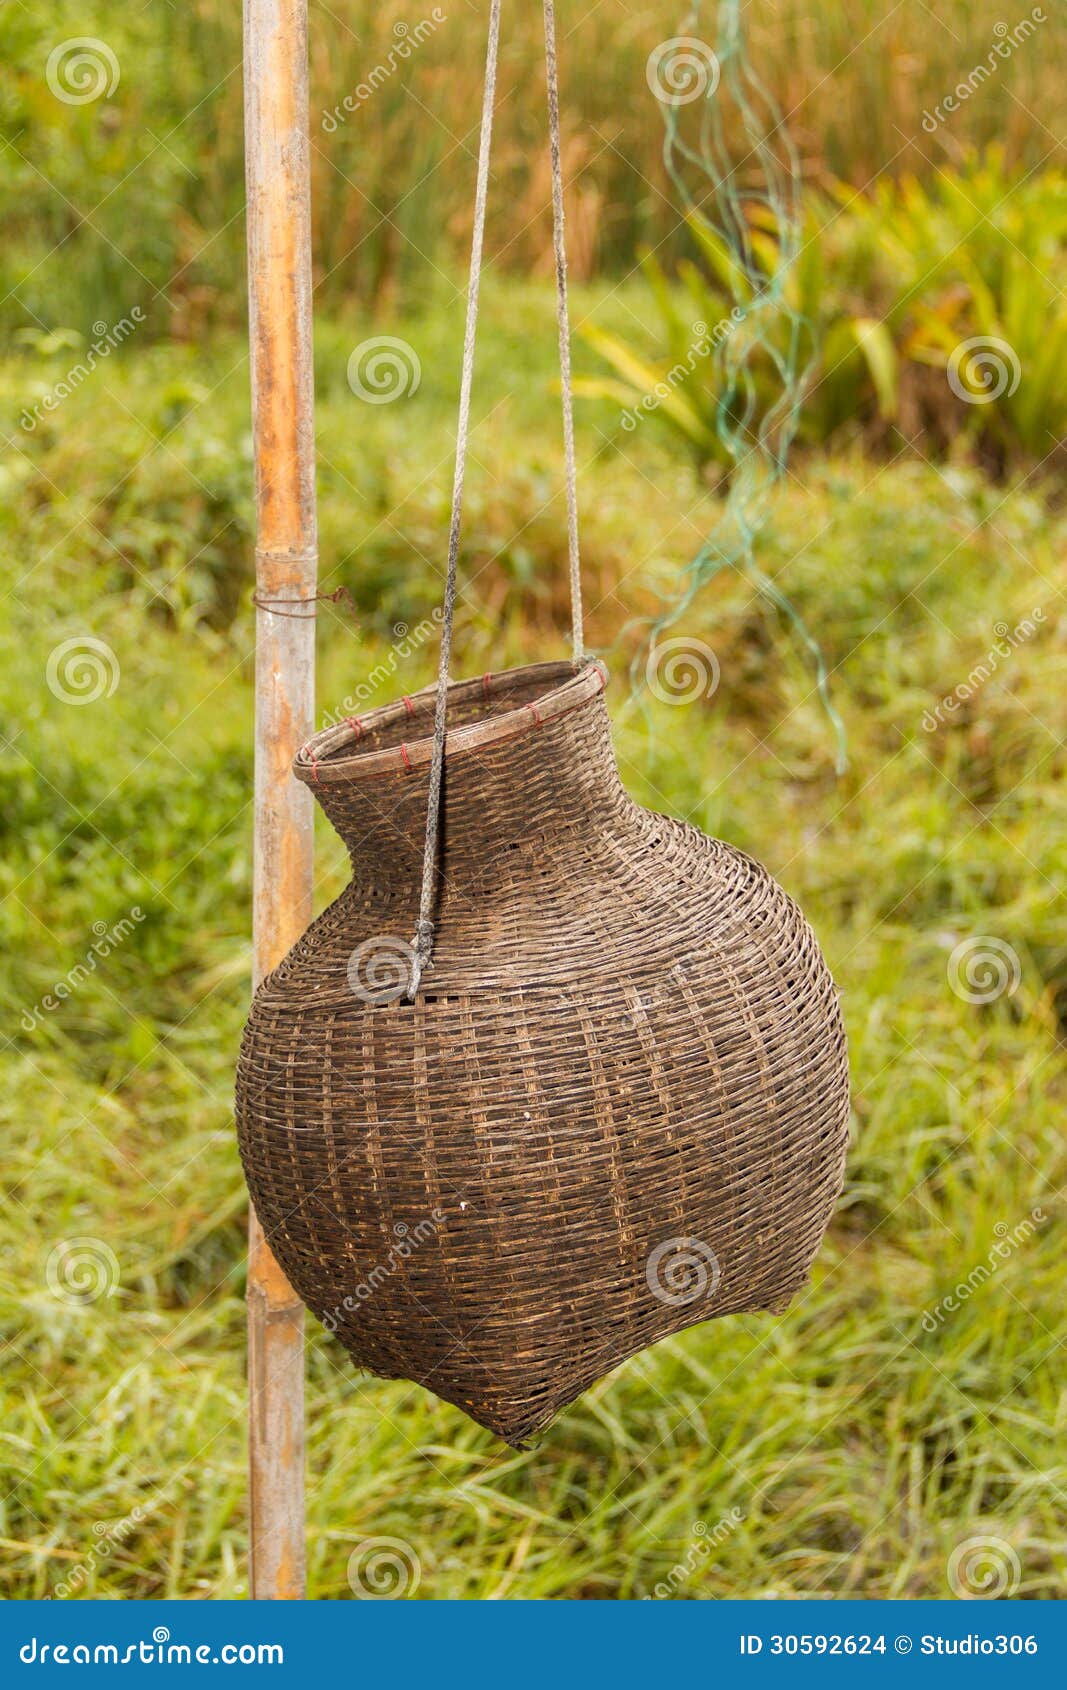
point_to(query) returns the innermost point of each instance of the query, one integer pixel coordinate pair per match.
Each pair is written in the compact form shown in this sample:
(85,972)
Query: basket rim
(565,688)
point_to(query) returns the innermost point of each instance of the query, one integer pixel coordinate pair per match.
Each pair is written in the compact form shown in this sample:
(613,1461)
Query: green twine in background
(698,82)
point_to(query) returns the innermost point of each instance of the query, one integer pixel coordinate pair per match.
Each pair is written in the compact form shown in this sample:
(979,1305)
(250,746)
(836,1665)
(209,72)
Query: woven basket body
(618,1105)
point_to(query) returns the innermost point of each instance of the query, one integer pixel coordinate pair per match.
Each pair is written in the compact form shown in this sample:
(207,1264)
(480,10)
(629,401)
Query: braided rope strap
(424,927)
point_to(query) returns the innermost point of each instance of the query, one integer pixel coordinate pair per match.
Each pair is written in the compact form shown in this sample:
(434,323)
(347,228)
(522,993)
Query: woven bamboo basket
(617,1106)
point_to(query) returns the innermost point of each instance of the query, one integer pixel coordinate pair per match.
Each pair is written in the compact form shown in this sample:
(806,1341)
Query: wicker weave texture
(618,1105)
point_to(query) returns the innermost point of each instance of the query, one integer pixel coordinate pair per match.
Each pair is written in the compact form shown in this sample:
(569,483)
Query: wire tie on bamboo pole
(303,608)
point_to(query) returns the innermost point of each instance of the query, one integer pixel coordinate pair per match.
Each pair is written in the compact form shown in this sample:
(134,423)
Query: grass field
(855,1446)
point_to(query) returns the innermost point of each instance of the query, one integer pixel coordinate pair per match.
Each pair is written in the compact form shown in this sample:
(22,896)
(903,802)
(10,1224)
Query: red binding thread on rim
(486,683)
(536,714)
(307,752)
(356,725)
(408,706)
(404,755)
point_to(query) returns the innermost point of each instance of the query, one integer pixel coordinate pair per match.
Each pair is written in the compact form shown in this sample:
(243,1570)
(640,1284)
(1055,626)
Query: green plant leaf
(876,344)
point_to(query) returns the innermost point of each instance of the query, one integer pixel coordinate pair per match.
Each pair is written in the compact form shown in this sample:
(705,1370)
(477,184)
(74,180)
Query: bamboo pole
(279,291)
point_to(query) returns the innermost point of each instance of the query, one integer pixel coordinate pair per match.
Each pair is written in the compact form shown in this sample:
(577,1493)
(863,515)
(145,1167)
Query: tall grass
(139,196)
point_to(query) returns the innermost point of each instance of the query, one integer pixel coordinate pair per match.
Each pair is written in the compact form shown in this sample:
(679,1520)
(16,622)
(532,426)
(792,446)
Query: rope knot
(421,951)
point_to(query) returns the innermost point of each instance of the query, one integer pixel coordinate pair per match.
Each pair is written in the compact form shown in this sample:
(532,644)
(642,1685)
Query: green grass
(860,1448)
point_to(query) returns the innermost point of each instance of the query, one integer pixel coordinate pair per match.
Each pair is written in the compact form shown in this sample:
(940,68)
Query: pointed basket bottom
(618,1106)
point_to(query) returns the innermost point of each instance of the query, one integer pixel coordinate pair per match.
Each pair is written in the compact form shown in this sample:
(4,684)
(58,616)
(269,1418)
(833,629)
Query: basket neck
(523,805)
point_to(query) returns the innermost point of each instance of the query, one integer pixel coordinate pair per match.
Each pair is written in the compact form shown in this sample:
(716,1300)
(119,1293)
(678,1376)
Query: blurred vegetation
(140,193)
(888,286)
